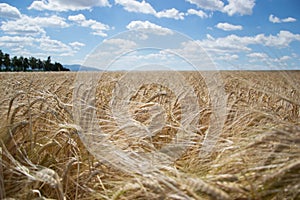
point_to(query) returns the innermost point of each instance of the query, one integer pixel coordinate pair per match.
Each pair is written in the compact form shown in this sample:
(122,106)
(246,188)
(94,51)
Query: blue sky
(236,34)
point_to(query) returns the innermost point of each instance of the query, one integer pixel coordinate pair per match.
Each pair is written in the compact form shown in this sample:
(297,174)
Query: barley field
(44,153)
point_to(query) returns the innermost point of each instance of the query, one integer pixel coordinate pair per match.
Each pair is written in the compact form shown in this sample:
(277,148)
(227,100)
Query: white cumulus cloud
(170,13)
(284,58)
(121,43)
(149,26)
(199,13)
(275,19)
(146,8)
(66,5)
(289,19)
(267,59)
(242,7)
(228,57)
(258,55)
(14,28)
(229,27)
(97,27)
(136,6)
(50,45)
(15,41)
(32,25)
(281,40)
(208,4)
(76,45)
(8,11)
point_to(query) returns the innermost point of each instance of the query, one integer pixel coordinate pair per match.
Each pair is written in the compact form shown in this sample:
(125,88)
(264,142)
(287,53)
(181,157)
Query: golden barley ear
(126,188)
(12,100)
(50,177)
(198,185)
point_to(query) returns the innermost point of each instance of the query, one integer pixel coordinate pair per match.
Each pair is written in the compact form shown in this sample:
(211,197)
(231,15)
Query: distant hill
(77,67)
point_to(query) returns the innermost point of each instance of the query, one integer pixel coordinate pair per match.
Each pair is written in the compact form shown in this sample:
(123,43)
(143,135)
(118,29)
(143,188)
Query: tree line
(28,64)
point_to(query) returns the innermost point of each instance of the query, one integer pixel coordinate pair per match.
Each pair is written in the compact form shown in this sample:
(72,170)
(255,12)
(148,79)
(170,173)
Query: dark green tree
(33,63)
(20,66)
(58,66)
(48,64)
(40,64)
(15,63)
(6,62)
(1,59)
(25,64)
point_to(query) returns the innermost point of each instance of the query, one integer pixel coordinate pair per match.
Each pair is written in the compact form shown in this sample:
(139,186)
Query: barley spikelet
(14,113)
(49,144)
(12,100)
(67,169)
(120,192)
(152,184)
(293,167)
(176,197)
(199,185)
(51,178)
(48,176)
(232,187)
(224,177)
(92,174)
